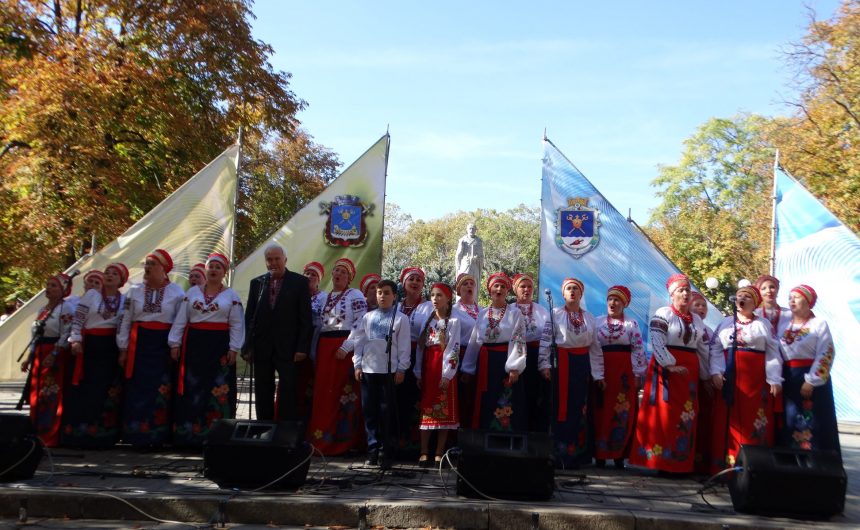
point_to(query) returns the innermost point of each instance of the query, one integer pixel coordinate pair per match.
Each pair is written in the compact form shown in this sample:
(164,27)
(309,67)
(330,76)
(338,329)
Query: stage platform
(124,486)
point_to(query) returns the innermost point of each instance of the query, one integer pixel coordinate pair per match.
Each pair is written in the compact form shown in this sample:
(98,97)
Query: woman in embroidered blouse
(666,423)
(624,365)
(368,285)
(336,424)
(752,381)
(407,394)
(497,356)
(48,360)
(579,356)
(770,310)
(536,387)
(205,338)
(91,403)
(810,413)
(466,311)
(436,363)
(144,353)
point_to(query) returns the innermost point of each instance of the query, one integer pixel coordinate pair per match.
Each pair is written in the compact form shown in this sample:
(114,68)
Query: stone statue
(470,254)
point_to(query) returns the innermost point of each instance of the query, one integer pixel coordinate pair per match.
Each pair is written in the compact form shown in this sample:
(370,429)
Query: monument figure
(470,254)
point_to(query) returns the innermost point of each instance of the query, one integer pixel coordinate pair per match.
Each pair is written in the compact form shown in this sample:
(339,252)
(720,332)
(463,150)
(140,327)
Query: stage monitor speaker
(251,454)
(505,465)
(788,482)
(20,450)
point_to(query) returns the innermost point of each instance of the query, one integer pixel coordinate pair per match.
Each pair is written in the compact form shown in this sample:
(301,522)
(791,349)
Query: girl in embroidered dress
(48,360)
(770,310)
(144,353)
(536,387)
(666,423)
(418,310)
(579,357)
(810,413)
(752,379)
(624,365)
(92,400)
(436,363)
(336,424)
(496,355)
(207,334)
(197,275)
(466,311)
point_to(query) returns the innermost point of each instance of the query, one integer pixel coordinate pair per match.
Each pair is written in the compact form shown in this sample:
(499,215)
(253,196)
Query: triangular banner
(345,220)
(814,248)
(192,222)
(584,236)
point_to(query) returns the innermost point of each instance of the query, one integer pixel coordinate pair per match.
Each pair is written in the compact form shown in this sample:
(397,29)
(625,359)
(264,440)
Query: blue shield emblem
(577,227)
(345,226)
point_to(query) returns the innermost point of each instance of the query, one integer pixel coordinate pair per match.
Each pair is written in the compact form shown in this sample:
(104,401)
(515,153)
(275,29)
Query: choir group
(156,365)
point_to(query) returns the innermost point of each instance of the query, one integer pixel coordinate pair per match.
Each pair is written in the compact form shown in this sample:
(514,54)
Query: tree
(715,213)
(511,242)
(107,106)
(820,143)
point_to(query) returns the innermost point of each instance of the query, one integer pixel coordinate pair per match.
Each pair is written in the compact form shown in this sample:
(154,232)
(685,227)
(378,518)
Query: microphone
(548,294)
(733,299)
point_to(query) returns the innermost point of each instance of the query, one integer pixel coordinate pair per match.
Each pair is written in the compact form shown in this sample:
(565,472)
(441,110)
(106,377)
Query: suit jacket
(285,328)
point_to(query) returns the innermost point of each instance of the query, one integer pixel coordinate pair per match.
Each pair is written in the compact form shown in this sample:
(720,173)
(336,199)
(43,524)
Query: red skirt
(614,408)
(666,423)
(47,377)
(336,424)
(439,408)
(711,433)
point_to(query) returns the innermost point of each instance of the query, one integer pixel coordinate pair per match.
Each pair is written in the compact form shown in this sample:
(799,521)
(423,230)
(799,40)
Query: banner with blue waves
(584,236)
(813,247)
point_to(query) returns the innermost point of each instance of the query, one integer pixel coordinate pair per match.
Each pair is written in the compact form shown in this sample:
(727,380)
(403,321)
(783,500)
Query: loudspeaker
(20,450)
(788,482)
(246,453)
(505,465)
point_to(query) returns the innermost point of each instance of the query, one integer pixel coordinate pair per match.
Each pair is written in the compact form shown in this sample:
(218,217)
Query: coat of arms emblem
(577,227)
(345,226)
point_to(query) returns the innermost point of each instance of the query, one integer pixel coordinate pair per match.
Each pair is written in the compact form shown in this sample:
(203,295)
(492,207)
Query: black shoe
(600,463)
(372,459)
(385,462)
(619,463)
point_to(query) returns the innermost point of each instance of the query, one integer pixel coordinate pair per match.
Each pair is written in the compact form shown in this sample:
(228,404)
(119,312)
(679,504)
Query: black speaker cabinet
(20,450)
(788,482)
(251,454)
(505,465)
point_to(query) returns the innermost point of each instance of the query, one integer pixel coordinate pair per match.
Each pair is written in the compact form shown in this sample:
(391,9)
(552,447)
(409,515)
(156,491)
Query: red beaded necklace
(493,322)
(790,335)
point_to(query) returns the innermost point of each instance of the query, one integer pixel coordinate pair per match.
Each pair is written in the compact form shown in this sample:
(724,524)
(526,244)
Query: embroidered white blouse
(755,335)
(467,321)
(667,329)
(569,336)
(148,305)
(510,330)
(343,313)
(225,307)
(627,333)
(96,312)
(370,342)
(812,341)
(534,320)
(451,354)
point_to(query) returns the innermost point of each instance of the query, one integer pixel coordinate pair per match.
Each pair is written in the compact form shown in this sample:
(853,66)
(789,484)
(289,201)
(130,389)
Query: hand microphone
(548,294)
(733,299)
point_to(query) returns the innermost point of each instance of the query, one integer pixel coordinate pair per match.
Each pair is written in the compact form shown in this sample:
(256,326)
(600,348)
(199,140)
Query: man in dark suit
(278,332)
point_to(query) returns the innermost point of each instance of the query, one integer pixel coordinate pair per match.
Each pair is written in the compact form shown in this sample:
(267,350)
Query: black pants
(266,362)
(377,404)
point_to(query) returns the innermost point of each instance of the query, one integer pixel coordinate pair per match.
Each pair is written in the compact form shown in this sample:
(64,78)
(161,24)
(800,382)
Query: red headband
(65,282)
(317,267)
(409,271)
(675,281)
(444,287)
(368,280)
(121,269)
(220,258)
(461,278)
(623,294)
(496,278)
(573,280)
(754,293)
(521,277)
(162,257)
(808,293)
(348,265)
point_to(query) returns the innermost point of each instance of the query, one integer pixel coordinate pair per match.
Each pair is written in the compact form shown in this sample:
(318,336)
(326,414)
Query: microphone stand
(731,376)
(389,340)
(38,330)
(553,356)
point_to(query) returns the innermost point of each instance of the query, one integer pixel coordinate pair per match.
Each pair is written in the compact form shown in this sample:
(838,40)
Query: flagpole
(232,227)
(773,228)
(384,195)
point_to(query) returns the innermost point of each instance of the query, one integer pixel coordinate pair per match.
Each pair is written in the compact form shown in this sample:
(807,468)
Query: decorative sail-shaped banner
(192,222)
(584,236)
(344,221)
(814,248)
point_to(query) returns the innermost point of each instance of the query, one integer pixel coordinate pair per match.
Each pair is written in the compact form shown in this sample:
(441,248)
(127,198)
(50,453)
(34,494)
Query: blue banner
(814,248)
(584,236)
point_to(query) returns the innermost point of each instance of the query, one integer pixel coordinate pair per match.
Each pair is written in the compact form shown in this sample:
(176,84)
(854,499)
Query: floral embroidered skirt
(148,392)
(500,405)
(209,386)
(439,408)
(809,423)
(336,424)
(571,429)
(92,395)
(47,377)
(614,408)
(666,423)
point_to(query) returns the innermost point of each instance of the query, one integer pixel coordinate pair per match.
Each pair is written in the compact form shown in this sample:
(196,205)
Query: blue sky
(467,88)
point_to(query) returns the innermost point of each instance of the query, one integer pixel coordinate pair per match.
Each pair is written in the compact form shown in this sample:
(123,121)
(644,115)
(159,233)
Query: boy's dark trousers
(377,403)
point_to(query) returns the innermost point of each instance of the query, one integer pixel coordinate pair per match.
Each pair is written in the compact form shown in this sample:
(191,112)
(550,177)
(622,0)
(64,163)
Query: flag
(343,221)
(814,248)
(192,222)
(584,236)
